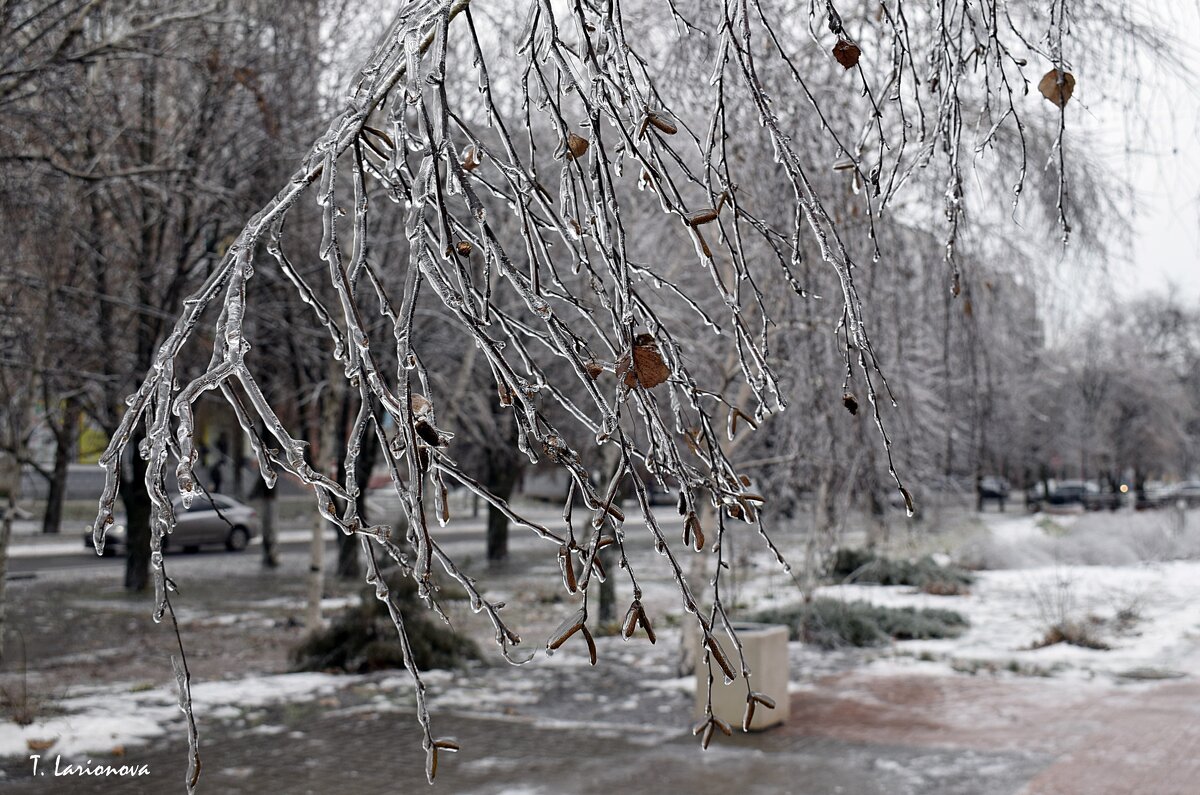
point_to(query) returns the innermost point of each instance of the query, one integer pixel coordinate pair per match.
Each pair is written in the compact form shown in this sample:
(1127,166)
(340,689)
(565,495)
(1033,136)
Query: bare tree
(586,342)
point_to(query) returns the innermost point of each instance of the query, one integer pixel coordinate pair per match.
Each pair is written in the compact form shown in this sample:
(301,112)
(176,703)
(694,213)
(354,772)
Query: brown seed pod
(630,622)
(470,158)
(591,644)
(566,629)
(431,763)
(428,434)
(846,53)
(718,656)
(593,370)
(577,145)
(692,534)
(644,620)
(663,125)
(567,564)
(764,699)
(463,248)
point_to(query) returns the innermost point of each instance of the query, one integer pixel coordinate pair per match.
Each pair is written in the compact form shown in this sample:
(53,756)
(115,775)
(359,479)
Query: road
(30,559)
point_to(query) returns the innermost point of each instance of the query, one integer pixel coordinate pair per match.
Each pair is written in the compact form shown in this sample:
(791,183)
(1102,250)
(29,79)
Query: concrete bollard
(765,647)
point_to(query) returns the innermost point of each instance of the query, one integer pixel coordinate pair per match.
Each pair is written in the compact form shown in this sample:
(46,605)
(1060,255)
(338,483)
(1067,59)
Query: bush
(363,638)
(1073,633)
(866,568)
(831,623)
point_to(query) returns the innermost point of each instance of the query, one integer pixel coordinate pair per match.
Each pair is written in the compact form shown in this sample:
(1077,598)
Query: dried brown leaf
(419,404)
(846,53)
(850,402)
(1056,90)
(577,145)
(649,368)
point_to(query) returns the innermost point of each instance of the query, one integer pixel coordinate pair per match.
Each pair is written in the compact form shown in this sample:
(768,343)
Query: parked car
(1098,500)
(212,519)
(1187,492)
(994,488)
(1062,495)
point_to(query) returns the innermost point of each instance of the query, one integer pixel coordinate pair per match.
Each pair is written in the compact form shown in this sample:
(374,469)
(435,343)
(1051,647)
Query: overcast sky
(1165,165)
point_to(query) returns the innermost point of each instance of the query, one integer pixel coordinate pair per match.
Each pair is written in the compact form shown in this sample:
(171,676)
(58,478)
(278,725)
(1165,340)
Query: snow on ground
(99,721)
(1147,611)
(1133,578)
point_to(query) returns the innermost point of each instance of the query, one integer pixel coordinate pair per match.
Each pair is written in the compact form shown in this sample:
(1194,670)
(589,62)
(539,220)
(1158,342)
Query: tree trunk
(64,449)
(137,520)
(498,528)
(607,609)
(348,565)
(10,484)
(270,537)
(325,462)
(238,454)
(134,492)
(502,480)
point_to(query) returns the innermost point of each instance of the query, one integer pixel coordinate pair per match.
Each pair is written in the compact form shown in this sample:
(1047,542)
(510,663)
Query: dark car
(993,488)
(212,519)
(1102,500)
(1063,495)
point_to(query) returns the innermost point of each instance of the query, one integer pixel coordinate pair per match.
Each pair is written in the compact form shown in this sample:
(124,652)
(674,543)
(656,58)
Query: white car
(212,519)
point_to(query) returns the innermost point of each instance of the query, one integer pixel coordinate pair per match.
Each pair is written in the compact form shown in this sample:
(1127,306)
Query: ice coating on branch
(539,281)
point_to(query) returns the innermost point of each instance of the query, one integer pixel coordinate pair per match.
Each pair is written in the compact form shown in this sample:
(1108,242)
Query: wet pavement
(327,751)
(558,725)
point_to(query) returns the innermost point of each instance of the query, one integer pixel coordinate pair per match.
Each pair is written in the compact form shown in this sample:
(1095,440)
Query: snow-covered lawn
(1147,612)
